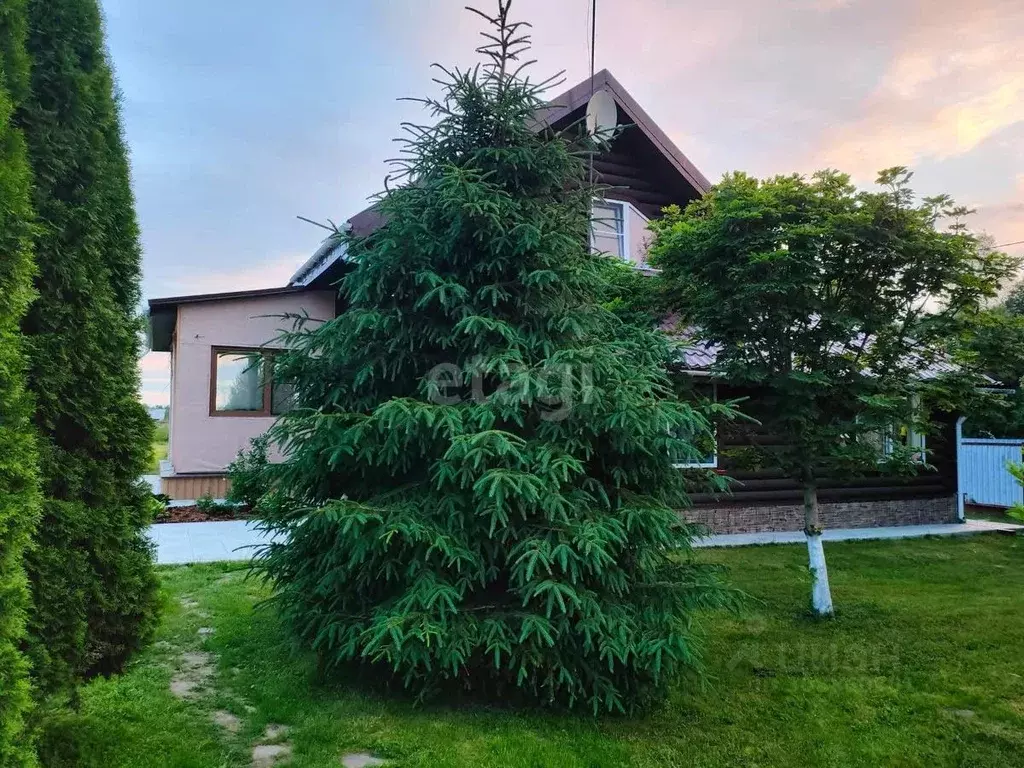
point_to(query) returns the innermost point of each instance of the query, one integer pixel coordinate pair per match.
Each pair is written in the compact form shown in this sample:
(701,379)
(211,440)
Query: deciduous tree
(833,302)
(992,342)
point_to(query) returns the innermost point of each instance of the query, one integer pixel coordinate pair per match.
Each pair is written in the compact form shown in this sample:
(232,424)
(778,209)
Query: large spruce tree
(478,491)
(18,480)
(91,572)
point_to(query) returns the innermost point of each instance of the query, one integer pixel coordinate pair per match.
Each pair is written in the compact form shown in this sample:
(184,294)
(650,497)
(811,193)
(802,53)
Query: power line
(1004,245)
(593,40)
(592,10)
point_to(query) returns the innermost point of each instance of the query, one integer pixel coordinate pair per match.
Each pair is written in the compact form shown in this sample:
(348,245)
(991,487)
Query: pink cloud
(268,273)
(955,81)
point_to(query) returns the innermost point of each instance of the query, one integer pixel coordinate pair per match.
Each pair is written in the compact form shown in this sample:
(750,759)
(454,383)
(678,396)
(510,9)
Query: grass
(160,437)
(923,666)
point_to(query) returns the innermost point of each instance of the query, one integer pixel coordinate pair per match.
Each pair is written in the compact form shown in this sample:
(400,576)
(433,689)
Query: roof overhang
(163,312)
(332,249)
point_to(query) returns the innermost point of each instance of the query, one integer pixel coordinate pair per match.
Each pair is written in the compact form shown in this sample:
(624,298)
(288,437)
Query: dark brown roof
(561,110)
(576,97)
(199,297)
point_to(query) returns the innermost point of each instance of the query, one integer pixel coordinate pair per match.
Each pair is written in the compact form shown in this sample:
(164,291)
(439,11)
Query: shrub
(1017,510)
(477,493)
(213,508)
(249,475)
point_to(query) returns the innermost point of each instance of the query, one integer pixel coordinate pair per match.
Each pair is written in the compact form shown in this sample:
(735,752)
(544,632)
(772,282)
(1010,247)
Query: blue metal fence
(983,475)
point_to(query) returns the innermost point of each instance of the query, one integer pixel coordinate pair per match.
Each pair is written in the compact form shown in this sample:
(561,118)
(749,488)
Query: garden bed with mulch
(194,513)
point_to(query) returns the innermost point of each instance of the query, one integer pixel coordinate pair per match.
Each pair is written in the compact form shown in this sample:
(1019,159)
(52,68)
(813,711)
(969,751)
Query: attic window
(608,228)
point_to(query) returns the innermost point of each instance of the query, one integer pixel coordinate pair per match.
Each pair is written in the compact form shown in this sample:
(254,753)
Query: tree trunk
(821,595)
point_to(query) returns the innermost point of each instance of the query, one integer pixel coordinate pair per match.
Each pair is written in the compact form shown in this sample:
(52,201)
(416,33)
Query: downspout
(959,469)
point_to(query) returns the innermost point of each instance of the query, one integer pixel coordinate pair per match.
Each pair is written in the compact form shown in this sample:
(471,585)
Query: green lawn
(160,436)
(923,666)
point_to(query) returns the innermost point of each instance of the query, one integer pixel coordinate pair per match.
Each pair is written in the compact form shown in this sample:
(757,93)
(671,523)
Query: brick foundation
(739,518)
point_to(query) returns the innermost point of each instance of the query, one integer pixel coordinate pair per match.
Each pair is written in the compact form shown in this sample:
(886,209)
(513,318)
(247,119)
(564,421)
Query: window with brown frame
(242,384)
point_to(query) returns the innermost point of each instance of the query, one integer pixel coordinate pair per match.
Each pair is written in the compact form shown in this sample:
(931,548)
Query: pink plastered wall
(200,442)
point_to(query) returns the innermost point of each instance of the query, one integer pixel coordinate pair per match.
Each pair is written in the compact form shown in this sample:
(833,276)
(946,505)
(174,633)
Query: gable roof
(576,99)
(562,111)
(678,181)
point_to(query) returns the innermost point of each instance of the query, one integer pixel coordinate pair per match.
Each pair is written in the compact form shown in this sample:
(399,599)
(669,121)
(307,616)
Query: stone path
(361,760)
(233,540)
(194,681)
(271,750)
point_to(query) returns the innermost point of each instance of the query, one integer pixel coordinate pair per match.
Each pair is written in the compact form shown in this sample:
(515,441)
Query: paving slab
(220,541)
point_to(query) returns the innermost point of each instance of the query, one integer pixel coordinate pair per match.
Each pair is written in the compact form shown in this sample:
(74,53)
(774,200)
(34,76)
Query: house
(219,400)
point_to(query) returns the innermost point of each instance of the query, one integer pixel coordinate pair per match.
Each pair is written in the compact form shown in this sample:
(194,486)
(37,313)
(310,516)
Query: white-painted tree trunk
(821,595)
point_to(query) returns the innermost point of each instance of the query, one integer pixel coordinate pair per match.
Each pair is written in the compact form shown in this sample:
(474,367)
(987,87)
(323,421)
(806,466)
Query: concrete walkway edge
(236,540)
(859,534)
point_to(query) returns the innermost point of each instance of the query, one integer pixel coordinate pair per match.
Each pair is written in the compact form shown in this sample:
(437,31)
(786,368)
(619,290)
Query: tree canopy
(835,303)
(1014,302)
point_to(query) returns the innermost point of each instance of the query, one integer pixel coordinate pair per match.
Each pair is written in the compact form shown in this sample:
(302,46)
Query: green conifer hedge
(478,493)
(91,572)
(19,503)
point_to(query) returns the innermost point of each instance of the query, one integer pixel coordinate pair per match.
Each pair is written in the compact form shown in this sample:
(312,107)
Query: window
(886,440)
(903,435)
(608,228)
(241,384)
(707,445)
(914,441)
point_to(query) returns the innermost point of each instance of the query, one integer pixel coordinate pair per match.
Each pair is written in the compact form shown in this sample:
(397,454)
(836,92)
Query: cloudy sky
(241,115)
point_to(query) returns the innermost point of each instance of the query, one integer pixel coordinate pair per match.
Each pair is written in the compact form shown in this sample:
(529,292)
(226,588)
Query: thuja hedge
(18,481)
(93,587)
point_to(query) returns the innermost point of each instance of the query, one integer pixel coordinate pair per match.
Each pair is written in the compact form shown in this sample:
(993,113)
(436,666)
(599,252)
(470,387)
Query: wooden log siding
(636,174)
(768,486)
(636,171)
